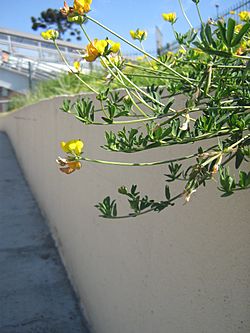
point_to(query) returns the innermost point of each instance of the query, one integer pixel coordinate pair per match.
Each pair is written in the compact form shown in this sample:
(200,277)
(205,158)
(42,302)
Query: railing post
(30,75)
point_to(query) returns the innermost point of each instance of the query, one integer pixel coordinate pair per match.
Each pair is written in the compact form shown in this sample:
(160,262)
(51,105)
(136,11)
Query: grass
(64,84)
(68,84)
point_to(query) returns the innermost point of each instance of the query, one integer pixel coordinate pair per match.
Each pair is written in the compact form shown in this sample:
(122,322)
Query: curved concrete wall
(185,270)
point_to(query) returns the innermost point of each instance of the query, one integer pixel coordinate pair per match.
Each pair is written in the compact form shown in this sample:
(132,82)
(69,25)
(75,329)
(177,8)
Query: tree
(53,19)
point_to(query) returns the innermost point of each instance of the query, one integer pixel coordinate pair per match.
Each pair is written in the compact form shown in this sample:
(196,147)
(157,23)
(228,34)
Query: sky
(119,15)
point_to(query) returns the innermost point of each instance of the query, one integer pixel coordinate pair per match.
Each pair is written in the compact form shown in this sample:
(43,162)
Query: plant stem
(85,33)
(133,101)
(185,15)
(143,68)
(199,13)
(126,87)
(139,49)
(174,32)
(144,212)
(135,86)
(67,64)
(139,164)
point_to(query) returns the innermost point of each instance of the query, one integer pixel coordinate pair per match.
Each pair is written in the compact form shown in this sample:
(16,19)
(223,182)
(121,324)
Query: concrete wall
(13,80)
(185,270)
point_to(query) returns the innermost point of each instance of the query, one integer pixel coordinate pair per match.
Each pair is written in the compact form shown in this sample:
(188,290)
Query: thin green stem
(174,32)
(142,47)
(238,142)
(133,101)
(154,71)
(67,64)
(199,13)
(153,76)
(185,15)
(240,57)
(85,33)
(145,211)
(139,164)
(228,149)
(126,87)
(135,86)
(103,109)
(139,49)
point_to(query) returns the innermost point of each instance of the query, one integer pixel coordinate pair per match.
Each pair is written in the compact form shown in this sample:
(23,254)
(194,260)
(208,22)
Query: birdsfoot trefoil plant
(211,72)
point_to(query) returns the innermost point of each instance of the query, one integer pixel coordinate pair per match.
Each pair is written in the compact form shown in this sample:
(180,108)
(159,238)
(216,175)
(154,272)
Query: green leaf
(168,105)
(239,158)
(123,190)
(230,30)
(222,29)
(115,210)
(204,38)
(244,179)
(223,54)
(240,35)
(109,121)
(167,192)
(209,34)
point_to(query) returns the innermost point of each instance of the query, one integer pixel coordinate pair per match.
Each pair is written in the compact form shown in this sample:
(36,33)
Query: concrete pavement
(35,293)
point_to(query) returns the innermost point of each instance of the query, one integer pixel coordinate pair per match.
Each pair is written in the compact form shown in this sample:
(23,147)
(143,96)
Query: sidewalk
(35,294)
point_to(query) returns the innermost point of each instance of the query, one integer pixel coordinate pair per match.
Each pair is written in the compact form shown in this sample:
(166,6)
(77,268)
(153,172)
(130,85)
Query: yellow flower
(114,47)
(82,6)
(182,51)
(169,17)
(138,34)
(68,166)
(232,12)
(140,58)
(244,16)
(244,46)
(98,48)
(116,60)
(238,28)
(73,147)
(50,34)
(91,52)
(77,66)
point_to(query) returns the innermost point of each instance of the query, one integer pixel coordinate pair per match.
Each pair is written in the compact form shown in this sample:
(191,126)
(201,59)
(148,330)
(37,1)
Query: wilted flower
(66,9)
(74,14)
(184,126)
(50,34)
(244,16)
(217,165)
(99,48)
(187,194)
(68,166)
(138,34)
(169,17)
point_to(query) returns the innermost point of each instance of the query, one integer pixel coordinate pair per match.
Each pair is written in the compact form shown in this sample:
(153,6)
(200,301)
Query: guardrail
(34,47)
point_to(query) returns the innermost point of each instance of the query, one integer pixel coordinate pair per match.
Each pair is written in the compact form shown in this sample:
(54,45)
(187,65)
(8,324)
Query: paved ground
(35,294)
